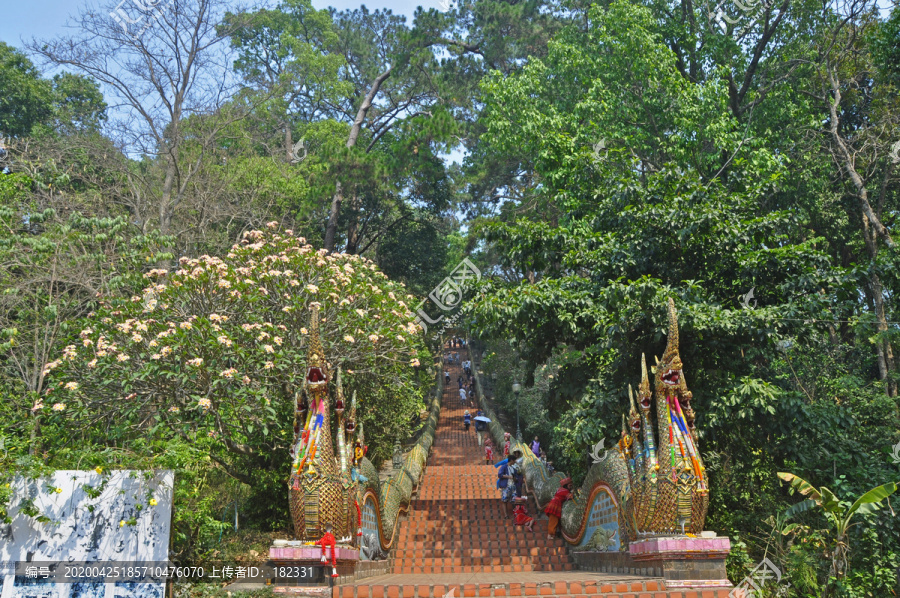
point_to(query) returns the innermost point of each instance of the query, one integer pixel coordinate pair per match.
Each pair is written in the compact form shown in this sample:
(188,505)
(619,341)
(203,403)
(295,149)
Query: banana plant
(838,512)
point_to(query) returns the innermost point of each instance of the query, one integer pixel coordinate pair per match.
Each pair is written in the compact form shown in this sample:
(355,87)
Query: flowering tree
(217,349)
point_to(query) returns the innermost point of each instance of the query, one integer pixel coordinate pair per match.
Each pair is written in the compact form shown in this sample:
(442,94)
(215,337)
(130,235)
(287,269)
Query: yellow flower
(98,469)
(122,523)
(58,490)
(152,502)
(71,386)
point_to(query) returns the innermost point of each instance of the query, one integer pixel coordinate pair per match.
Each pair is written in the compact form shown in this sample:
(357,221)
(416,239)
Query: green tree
(839,514)
(644,182)
(27,98)
(214,353)
(52,268)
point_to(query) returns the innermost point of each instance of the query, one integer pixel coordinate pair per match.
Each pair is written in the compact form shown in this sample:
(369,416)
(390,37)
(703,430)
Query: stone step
(578,589)
(491,560)
(481,551)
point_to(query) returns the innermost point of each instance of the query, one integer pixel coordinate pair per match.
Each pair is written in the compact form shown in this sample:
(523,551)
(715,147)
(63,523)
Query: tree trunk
(872,228)
(353,227)
(288,142)
(333,214)
(165,202)
(885,353)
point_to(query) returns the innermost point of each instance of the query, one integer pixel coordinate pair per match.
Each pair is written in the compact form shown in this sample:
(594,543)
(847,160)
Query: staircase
(456,541)
(457,523)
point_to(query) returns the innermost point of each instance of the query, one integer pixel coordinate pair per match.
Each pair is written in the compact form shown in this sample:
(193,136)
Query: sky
(24,19)
(21,20)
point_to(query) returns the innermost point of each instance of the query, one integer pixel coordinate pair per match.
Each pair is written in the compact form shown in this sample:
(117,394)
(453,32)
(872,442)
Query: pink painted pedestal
(309,553)
(685,562)
(306,556)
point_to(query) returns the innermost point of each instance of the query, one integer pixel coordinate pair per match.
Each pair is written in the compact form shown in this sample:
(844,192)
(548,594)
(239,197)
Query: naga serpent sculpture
(655,480)
(332,489)
(321,491)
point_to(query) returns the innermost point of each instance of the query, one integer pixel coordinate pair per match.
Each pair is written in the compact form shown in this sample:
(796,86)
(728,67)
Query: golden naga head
(634,418)
(339,394)
(350,424)
(644,395)
(668,370)
(316,368)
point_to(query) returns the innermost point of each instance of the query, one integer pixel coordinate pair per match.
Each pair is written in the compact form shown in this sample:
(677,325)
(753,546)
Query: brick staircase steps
(457,542)
(457,524)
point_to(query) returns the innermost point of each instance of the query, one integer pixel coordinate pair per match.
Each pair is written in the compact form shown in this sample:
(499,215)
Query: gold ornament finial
(316,369)
(668,370)
(644,387)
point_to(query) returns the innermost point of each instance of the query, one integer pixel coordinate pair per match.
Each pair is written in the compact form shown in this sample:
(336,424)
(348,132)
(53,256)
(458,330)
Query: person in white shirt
(462,395)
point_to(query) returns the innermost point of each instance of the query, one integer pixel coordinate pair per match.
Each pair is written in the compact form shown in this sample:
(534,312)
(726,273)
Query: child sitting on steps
(521,513)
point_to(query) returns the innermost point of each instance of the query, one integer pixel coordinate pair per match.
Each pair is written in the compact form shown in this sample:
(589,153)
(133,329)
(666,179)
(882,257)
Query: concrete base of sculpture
(310,554)
(310,591)
(298,558)
(683,561)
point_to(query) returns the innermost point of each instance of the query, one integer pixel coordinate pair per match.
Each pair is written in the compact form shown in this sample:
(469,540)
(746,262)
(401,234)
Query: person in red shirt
(554,507)
(521,513)
(506,444)
(488,452)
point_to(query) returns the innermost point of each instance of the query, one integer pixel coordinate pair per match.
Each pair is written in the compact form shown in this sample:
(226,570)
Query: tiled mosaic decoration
(370,528)
(604,514)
